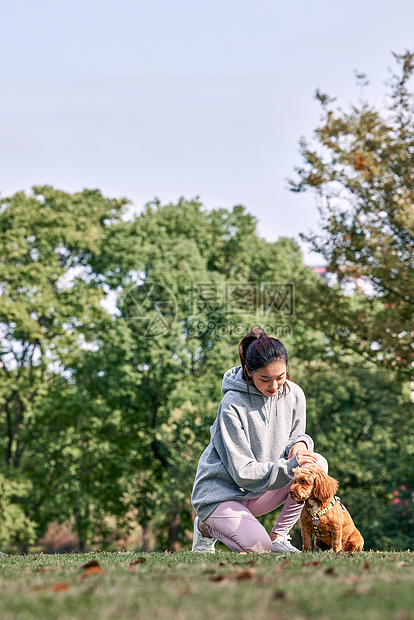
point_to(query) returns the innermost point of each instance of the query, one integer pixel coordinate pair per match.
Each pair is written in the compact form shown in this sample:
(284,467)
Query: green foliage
(15,526)
(50,308)
(360,166)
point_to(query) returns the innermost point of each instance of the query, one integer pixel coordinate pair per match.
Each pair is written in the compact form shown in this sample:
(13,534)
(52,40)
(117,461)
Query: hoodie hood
(233,381)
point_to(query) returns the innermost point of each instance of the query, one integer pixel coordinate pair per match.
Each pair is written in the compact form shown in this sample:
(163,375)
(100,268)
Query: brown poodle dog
(323,513)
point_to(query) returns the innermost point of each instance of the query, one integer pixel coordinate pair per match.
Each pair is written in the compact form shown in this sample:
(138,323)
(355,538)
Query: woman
(256,441)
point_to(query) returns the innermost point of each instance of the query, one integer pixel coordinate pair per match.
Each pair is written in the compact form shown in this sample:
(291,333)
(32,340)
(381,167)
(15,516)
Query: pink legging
(234,523)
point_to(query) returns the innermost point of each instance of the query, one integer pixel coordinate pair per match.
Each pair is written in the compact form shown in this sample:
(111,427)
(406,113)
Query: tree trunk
(145,536)
(174,532)
(24,548)
(82,545)
(81,527)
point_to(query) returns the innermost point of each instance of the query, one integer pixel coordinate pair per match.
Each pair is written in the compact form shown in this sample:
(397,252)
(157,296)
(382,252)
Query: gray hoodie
(250,441)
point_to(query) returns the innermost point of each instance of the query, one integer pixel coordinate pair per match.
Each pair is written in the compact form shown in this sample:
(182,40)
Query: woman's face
(269,379)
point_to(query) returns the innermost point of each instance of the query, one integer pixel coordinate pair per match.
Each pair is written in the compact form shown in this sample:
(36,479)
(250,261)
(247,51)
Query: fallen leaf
(60,587)
(367,565)
(46,569)
(313,563)
(132,564)
(222,562)
(282,566)
(244,574)
(90,564)
(278,595)
(240,575)
(330,570)
(94,570)
(218,577)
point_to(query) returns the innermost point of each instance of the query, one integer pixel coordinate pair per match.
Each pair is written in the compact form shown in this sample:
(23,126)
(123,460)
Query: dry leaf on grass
(239,575)
(282,566)
(312,563)
(92,568)
(56,587)
(60,587)
(90,564)
(219,578)
(131,567)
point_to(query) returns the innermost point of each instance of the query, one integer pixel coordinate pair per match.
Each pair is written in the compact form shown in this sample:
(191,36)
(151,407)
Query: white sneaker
(282,545)
(202,544)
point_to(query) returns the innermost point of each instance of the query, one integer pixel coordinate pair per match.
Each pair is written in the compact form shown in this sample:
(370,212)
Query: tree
(360,165)
(51,243)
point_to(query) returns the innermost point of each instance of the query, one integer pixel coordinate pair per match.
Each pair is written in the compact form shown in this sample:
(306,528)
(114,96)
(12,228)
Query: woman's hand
(303,455)
(306,456)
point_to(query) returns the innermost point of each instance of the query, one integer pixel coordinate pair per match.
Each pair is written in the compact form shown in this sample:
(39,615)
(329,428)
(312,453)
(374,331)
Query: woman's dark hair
(257,350)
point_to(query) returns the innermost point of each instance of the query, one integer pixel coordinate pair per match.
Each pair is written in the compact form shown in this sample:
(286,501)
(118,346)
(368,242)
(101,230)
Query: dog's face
(311,482)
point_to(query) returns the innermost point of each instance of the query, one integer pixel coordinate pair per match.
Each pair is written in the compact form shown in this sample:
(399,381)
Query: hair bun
(255,333)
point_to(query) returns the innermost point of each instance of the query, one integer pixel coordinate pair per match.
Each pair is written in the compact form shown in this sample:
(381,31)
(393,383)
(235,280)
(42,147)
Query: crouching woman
(256,441)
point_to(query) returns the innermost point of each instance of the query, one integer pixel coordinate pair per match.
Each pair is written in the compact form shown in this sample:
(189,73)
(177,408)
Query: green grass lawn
(365,586)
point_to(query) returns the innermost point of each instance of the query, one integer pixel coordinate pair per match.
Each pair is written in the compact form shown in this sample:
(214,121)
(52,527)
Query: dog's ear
(324,486)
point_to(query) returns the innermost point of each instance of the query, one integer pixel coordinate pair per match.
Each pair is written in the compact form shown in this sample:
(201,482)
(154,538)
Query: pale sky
(170,98)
